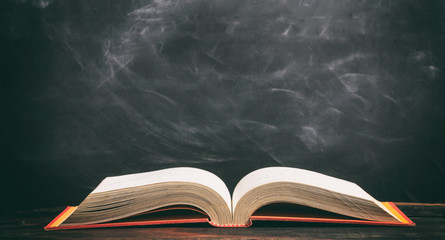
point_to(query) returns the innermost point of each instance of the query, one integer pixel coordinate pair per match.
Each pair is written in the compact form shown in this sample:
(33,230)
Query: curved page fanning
(102,207)
(128,195)
(302,177)
(179,174)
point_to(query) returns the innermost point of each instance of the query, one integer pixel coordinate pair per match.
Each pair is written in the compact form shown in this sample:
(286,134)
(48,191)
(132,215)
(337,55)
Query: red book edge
(65,212)
(68,210)
(390,205)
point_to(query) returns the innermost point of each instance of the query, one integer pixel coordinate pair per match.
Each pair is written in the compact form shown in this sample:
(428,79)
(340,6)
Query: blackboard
(353,89)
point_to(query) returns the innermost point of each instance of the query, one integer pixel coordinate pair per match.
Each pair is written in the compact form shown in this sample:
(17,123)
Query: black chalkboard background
(353,89)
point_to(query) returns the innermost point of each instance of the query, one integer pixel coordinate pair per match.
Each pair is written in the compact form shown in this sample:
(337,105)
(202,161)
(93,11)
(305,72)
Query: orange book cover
(196,216)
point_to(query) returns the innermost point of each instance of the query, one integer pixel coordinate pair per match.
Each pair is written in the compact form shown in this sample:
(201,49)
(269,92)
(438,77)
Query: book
(192,195)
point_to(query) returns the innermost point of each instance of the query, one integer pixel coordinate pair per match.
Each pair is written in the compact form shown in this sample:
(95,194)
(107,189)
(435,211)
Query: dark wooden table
(430,220)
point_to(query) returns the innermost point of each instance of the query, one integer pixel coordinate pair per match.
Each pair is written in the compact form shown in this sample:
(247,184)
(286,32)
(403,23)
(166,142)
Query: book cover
(162,217)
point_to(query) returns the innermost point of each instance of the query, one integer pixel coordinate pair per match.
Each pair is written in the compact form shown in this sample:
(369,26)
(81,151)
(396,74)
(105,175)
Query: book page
(179,174)
(287,174)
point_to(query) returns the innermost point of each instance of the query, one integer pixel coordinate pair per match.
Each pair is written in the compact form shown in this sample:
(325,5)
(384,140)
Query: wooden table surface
(430,220)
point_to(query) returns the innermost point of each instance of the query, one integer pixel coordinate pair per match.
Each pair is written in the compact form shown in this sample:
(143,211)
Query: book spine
(230,225)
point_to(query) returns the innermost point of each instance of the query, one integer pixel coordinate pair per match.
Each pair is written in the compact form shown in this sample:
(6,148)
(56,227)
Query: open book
(191,195)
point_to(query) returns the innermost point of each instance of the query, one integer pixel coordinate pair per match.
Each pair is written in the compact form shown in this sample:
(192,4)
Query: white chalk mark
(286,32)
(262,125)
(155,8)
(324,31)
(169,100)
(120,61)
(291,92)
(333,111)
(419,56)
(310,138)
(352,81)
(391,99)
(363,100)
(76,55)
(44,3)
(339,62)
(231,28)
(279,73)
(431,71)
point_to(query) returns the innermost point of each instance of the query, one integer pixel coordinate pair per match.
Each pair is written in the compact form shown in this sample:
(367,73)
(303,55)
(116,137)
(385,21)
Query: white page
(179,174)
(287,174)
